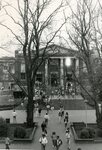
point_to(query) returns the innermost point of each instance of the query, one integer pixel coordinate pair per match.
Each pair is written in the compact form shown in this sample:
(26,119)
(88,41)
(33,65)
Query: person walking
(60,115)
(45,132)
(65,123)
(7,143)
(54,139)
(68,135)
(14,116)
(62,108)
(66,119)
(48,108)
(43,126)
(46,117)
(39,111)
(43,141)
(59,143)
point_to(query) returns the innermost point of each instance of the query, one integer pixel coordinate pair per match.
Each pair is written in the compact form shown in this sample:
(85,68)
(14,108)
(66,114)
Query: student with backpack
(7,143)
(54,139)
(68,135)
(43,141)
(59,143)
(43,126)
(66,119)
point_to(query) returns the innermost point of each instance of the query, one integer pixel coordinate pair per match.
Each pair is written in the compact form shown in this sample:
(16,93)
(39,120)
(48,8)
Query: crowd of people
(57,141)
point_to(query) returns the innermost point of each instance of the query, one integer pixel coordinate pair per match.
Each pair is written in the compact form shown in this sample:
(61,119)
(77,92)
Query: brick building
(7,70)
(53,72)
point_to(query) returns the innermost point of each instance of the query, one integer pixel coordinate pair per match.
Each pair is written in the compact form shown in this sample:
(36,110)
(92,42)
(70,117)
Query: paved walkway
(54,125)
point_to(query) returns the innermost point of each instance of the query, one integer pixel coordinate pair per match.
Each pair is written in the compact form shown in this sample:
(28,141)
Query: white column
(62,72)
(46,72)
(77,67)
(77,75)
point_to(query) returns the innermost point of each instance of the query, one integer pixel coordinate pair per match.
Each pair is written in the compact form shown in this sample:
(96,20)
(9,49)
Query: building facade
(7,70)
(53,72)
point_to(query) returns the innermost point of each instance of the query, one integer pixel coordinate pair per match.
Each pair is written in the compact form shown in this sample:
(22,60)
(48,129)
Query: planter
(30,138)
(78,126)
(26,139)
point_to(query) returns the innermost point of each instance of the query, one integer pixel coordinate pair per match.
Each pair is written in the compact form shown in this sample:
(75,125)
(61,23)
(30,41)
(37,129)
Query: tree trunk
(30,106)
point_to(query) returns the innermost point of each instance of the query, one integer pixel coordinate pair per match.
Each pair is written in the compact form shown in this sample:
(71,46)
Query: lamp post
(85,101)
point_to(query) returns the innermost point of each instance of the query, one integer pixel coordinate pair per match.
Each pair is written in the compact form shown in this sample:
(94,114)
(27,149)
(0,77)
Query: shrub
(100,125)
(87,133)
(3,128)
(99,132)
(91,132)
(84,134)
(2,120)
(19,132)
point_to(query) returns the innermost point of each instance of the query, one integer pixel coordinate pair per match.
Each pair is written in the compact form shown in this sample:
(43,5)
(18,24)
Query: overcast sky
(5,36)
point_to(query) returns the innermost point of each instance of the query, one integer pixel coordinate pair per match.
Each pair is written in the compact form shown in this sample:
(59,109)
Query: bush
(3,128)
(99,132)
(100,125)
(84,134)
(19,132)
(91,132)
(87,133)
(2,120)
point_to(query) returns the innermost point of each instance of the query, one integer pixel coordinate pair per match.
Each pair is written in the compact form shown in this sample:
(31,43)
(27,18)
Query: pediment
(57,50)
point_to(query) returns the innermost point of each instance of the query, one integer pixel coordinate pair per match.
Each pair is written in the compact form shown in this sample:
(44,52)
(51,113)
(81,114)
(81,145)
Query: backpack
(60,142)
(68,135)
(44,141)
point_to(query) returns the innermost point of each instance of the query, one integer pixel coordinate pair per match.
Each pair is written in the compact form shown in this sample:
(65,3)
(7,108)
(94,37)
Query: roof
(57,50)
(52,50)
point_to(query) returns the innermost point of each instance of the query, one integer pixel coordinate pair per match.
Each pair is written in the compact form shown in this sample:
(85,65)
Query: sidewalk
(54,125)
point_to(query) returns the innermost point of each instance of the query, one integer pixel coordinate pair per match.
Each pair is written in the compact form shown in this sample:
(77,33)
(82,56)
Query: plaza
(54,125)
(55,63)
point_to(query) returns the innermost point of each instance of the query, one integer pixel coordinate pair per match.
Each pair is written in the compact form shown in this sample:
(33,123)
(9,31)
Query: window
(54,79)
(69,77)
(5,76)
(5,69)
(22,76)
(12,69)
(84,68)
(39,77)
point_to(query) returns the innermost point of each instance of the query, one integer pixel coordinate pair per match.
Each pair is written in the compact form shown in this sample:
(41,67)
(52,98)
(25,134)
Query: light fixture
(68,61)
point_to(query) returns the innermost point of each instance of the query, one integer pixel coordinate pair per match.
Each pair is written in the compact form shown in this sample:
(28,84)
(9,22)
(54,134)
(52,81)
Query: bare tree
(33,28)
(83,37)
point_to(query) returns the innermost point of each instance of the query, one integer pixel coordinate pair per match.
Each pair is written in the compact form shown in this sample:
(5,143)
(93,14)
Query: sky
(7,43)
